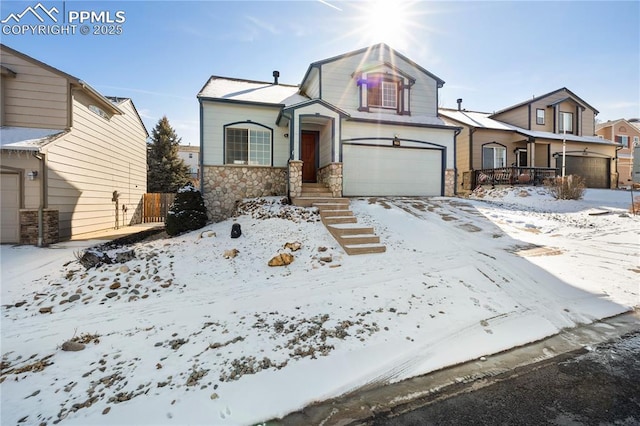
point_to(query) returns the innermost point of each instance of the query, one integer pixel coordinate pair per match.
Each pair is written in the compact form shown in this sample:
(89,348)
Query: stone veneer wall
(29,226)
(223,186)
(331,175)
(450,182)
(295,178)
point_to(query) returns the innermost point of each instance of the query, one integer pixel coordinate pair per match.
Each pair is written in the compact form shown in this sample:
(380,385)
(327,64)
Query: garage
(375,170)
(9,208)
(595,170)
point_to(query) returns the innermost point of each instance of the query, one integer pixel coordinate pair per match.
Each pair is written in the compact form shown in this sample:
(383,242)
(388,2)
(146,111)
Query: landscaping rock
(295,246)
(282,259)
(71,346)
(46,310)
(112,294)
(230,254)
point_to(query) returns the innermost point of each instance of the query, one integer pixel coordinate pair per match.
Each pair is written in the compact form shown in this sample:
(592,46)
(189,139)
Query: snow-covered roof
(26,138)
(232,89)
(482,120)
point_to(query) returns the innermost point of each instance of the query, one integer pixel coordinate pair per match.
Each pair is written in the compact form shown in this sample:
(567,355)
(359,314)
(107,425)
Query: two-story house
(363,123)
(525,142)
(627,134)
(72,160)
(191,157)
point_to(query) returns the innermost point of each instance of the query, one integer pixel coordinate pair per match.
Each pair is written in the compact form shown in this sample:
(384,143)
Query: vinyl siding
(374,132)
(26,162)
(36,97)
(216,115)
(325,145)
(517,117)
(312,88)
(339,86)
(97,157)
(485,136)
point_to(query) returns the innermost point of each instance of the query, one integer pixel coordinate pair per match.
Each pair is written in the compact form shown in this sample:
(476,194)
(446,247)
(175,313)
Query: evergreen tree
(166,172)
(187,213)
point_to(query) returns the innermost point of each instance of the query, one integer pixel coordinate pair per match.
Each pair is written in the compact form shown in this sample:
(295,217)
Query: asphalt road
(596,386)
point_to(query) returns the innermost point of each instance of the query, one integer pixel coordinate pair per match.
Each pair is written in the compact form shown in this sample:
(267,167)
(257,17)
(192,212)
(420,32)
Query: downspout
(617,172)
(455,166)
(42,205)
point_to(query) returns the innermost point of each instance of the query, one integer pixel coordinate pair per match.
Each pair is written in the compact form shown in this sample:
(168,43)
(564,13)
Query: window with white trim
(494,157)
(382,92)
(636,141)
(566,118)
(540,116)
(248,146)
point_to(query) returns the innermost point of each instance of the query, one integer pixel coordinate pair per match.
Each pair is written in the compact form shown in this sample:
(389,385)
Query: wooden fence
(156,206)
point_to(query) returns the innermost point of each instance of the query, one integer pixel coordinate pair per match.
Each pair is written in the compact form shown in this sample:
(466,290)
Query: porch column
(531,153)
(295,178)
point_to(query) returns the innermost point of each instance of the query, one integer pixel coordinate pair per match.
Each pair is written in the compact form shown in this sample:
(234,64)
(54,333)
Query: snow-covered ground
(184,335)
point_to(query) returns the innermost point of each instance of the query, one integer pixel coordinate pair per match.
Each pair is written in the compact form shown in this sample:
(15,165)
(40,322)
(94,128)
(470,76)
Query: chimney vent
(459,101)
(276,74)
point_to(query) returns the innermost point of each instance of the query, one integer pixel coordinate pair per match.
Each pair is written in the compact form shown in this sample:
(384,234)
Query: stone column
(295,178)
(449,182)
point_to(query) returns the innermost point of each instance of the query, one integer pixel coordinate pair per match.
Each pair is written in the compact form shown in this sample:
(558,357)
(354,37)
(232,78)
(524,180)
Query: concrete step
(364,248)
(316,194)
(329,213)
(332,204)
(310,201)
(347,240)
(332,220)
(315,188)
(349,229)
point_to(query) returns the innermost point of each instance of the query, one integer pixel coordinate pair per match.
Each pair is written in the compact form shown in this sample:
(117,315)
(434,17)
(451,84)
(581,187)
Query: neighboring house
(627,135)
(191,157)
(524,143)
(72,160)
(364,123)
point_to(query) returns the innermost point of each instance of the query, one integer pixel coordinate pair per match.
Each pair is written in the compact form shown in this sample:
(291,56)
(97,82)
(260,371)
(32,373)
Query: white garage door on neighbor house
(375,170)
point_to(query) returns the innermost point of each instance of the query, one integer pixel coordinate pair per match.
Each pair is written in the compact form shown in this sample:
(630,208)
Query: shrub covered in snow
(187,212)
(570,188)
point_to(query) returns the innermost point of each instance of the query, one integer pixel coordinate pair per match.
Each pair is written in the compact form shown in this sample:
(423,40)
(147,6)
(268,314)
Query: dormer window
(382,92)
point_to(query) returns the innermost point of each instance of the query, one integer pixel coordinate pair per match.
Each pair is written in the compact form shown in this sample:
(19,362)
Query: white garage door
(369,170)
(9,207)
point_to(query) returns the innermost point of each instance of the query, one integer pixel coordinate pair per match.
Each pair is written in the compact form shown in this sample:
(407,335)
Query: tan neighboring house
(191,157)
(524,143)
(72,160)
(363,123)
(627,134)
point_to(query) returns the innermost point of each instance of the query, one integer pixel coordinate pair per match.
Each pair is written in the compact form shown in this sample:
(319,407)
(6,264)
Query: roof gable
(369,50)
(570,95)
(71,79)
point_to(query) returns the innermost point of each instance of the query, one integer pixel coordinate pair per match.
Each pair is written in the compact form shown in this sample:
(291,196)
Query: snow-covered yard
(183,335)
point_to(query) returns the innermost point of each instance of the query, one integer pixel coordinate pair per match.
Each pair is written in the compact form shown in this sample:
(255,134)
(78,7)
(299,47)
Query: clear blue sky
(491,54)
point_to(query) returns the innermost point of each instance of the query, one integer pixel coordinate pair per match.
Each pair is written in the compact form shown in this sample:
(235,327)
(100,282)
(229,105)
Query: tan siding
(96,158)
(216,115)
(517,117)
(25,162)
(36,97)
(484,136)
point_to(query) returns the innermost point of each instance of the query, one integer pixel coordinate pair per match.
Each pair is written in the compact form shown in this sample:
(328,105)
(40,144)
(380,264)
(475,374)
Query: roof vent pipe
(459,101)
(276,74)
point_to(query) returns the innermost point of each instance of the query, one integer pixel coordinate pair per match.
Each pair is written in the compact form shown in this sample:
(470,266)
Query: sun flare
(386,21)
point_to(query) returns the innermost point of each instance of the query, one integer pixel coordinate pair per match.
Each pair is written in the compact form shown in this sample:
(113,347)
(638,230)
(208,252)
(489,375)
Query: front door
(521,157)
(309,159)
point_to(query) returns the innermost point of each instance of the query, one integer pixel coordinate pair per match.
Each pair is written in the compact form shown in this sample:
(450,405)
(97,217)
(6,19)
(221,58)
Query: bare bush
(568,188)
